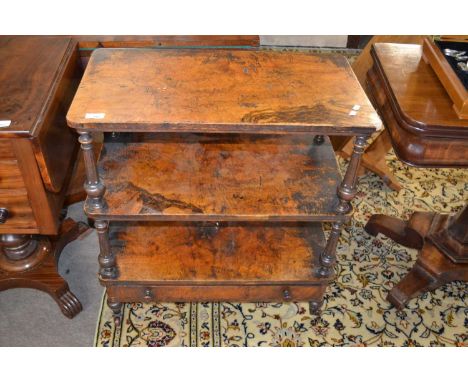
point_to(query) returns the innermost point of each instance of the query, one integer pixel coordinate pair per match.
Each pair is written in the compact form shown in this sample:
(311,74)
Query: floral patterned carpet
(355,312)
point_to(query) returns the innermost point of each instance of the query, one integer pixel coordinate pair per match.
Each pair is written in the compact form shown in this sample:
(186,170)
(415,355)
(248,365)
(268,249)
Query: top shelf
(220,91)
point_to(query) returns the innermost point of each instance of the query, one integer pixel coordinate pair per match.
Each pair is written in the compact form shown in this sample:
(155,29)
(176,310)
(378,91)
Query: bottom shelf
(204,262)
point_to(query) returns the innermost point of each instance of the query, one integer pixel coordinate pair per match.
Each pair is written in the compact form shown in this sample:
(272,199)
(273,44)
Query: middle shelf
(198,177)
(233,253)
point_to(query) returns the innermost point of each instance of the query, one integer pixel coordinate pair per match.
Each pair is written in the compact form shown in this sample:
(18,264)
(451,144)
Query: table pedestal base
(31,262)
(443,250)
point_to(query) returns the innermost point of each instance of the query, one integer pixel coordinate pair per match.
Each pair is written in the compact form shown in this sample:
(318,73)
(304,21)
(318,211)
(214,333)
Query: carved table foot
(443,256)
(116,308)
(408,233)
(315,307)
(431,270)
(31,262)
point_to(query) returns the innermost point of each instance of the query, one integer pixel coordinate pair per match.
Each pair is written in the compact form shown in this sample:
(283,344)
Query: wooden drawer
(21,218)
(10,175)
(253,293)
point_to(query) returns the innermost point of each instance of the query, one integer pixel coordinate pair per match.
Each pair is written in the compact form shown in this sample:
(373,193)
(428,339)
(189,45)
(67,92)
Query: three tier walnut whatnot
(217,172)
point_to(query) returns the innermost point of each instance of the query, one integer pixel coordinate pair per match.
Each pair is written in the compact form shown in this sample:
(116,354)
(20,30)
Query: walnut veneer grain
(221,91)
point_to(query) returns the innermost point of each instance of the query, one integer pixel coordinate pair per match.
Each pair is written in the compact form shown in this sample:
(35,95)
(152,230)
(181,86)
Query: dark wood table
(38,78)
(373,158)
(425,131)
(215,172)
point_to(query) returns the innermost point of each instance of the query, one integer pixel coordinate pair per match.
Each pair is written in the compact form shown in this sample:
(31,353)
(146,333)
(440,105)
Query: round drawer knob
(4,214)
(318,140)
(287,294)
(148,294)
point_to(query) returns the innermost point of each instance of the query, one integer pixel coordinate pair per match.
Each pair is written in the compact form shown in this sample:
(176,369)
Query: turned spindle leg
(315,306)
(95,190)
(346,192)
(93,186)
(328,256)
(347,189)
(107,263)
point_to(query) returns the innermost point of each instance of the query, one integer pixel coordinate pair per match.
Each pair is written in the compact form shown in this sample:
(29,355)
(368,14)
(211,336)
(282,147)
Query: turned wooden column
(346,192)
(18,247)
(95,190)
(21,252)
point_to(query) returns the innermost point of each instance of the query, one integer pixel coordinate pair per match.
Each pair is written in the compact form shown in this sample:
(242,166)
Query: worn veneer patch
(157,203)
